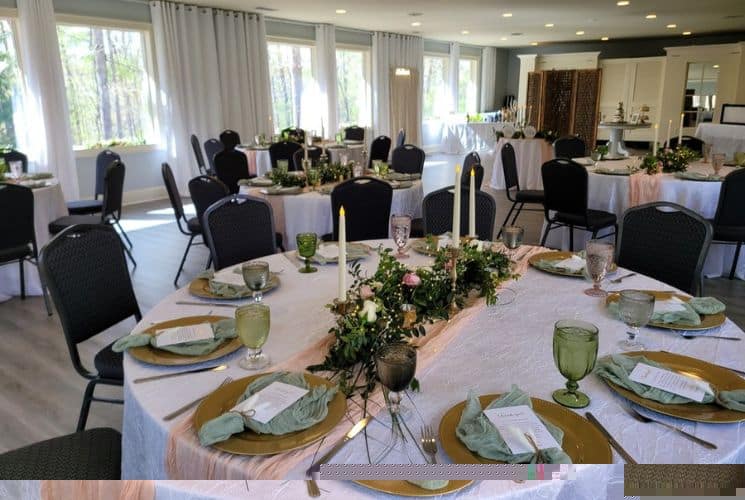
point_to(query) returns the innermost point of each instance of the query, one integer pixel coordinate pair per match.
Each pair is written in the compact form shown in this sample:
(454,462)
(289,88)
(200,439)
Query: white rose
(369,311)
(478,244)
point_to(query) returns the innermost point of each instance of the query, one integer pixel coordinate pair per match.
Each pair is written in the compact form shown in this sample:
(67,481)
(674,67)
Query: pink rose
(366,292)
(412,280)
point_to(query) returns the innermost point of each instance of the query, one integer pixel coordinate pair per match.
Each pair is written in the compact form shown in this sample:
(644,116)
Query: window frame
(301,42)
(477,60)
(367,55)
(11,15)
(446,58)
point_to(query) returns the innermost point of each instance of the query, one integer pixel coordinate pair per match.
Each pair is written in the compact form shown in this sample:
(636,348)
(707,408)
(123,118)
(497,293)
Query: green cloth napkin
(707,305)
(618,367)
(225,290)
(698,176)
(686,316)
(481,437)
(224,330)
(303,413)
(430,484)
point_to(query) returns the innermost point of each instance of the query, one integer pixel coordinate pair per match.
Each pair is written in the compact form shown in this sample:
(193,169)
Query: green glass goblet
(306,248)
(575,353)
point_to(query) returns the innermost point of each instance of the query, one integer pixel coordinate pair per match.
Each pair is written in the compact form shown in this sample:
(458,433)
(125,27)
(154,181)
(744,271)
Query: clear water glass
(598,261)
(635,309)
(252,323)
(396,365)
(256,276)
(306,248)
(358,169)
(512,238)
(16,169)
(717,162)
(401,230)
(575,353)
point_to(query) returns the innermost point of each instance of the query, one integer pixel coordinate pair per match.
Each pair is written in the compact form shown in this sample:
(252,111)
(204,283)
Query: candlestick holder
(343,307)
(408,311)
(453,308)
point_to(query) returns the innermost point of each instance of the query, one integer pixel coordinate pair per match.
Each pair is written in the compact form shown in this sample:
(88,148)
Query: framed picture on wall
(635,118)
(733,114)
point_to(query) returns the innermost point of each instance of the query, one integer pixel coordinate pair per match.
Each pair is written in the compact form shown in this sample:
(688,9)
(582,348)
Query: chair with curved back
(367,203)
(565,185)
(408,159)
(354,133)
(729,220)
(86,272)
(211,148)
(294,134)
(692,143)
(10,155)
(667,242)
(569,147)
(472,161)
(283,150)
(380,148)
(197,148)
(314,154)
(94,206)
(229,136)
(205,191)
(401,138)
(231,165)
(227,225)
(437,212)
(518,197)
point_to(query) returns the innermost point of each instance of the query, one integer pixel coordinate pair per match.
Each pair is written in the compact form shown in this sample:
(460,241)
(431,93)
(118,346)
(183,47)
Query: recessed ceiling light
(341,11)
(686,33)
(623,3)
(533,43)
(671,26)
(507,14)
(504,38)
(604,39)
(651,16)
(549,25)
(416,23)
(516,34)
(716,66)
(580,33)
(464,32)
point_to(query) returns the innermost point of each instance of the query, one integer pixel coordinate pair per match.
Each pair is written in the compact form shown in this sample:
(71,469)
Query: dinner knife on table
(338,446)
(216,368)
(615,444)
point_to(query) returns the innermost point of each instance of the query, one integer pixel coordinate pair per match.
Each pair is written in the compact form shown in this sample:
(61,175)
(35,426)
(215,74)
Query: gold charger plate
(561,256)
(407,489)
(200,287)
(582,441)
(720,378)
(251,443)
(149,354)
(355,251)
(708,321)
(421,246)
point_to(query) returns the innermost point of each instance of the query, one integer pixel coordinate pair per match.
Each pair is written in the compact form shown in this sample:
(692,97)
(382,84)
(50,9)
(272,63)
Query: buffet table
(501,345)
(260,162)
(461,138)
(530,155)
(726,139)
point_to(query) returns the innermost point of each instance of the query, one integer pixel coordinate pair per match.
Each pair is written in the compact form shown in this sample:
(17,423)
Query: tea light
(409,315)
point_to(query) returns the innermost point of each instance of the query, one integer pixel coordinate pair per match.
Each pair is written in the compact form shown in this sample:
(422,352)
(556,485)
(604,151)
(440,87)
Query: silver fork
(429,443)
(184,408)
(620,279)
(643,418)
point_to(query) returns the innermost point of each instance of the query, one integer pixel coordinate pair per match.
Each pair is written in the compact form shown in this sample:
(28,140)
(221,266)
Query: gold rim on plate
(200,287)
(407,489)
(720,378)
(421,246)
(149,354)
(534,259)
(251,443)
(355,251)
(708,321)
(582,441)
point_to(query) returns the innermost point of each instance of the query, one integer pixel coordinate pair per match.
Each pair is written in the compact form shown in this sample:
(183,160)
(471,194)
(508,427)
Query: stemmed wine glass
(256,277)
(599,258)
(512,238)
(306,248)
(395,364)
(635,309)
(252,323)
(401,229)
(575,353)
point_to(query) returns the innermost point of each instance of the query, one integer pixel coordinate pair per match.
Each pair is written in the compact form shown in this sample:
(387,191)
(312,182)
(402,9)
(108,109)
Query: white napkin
(229,277)
(329,251)
(671,305)
(572,264)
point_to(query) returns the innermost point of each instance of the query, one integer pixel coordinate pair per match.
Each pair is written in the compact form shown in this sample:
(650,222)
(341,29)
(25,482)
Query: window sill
(92,153)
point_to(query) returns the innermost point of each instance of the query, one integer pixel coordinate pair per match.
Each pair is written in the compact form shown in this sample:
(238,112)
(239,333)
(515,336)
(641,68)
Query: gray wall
(612,49)
(143,171)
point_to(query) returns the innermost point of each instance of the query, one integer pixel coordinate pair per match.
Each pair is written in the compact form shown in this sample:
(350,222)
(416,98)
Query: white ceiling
(446,19)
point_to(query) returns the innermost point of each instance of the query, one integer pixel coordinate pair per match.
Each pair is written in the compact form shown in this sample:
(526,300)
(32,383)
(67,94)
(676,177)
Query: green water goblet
(252,323)
(575,353)
(306,248)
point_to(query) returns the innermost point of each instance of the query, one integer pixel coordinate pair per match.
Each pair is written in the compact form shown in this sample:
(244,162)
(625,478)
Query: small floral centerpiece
(286,179)
(675,160)
(651,164)
(598,153)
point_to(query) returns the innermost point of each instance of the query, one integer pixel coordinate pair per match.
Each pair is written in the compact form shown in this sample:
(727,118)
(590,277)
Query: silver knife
(615,444)
(208,304)
(338,446)
(215,368)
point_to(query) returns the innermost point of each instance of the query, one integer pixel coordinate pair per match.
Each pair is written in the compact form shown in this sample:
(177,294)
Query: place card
(669,381)
(673,304)
(183,334)
(270,401)
(573,264)
(513,422)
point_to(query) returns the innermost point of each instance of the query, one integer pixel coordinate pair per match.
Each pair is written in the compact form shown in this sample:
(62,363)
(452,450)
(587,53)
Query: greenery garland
(328,173)
(668,160)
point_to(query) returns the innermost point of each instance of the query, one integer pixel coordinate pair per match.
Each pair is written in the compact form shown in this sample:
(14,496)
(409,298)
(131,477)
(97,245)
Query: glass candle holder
(408,311)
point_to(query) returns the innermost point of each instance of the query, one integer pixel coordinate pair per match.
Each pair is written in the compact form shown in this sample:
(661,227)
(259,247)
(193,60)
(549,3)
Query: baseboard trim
(144,195)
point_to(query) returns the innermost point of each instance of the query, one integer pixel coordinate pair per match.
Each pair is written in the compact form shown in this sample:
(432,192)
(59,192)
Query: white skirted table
(530,155)
(725,139)
(501,345)
(260,162)
(461,138)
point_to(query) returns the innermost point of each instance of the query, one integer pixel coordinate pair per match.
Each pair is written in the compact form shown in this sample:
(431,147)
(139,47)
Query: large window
(108,85)
(468,85)
(353,87)
(293,87)
(9,78)
(435,84)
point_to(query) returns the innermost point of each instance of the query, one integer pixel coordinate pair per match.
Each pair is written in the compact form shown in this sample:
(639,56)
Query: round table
(500,345)
(611,194)
(260,162)
(617,148)
(725,139)
(530,155)
(461,138)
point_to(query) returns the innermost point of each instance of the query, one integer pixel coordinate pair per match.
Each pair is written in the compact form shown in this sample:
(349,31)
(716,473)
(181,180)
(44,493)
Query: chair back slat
(172,190)
(565,186)
(408,159)
(113,191)
(17,225)
(205,191)
(197,148)
(211,148)
(380,148)
(103,160)
(569,147)
(367,203)
(509,167)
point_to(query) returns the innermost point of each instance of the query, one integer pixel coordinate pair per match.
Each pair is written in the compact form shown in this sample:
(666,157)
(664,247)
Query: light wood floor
(40,393)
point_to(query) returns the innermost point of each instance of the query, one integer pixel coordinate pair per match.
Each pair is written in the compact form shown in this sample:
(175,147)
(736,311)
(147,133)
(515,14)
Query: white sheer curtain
(390,51)
(453,76)
(47,139)
(488,78)
(326,76)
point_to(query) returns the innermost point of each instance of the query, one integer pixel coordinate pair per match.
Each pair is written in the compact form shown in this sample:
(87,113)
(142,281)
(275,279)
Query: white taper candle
(472,204)
(342,296)
(456,208)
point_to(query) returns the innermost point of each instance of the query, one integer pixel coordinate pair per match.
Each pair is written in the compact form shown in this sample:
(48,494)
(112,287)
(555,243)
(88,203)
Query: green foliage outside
(8,81)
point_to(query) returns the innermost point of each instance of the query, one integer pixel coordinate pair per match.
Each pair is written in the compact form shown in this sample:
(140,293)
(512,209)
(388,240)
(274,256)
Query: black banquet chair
(518,197)
(729,220)
(401,138)
(113,188)
(231,165)
(565,188)
(314,154)
(692,143)
(437,212)
(211,148)
(569,147)
(667,242)
(472,161)
(283,150)
(239,228)
(367,203)
(354,133)
(18,233)
(85,455)
(380,148)
(205,190)
(94,206)
(10,155)
(408,159)
(197,148)
(86,272)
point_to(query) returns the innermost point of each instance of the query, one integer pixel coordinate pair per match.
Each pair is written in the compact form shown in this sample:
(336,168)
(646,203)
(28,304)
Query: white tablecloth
(727,139)
(311,212)
(461,138)
(611,194)
(530,154)
(49,204)
(260,162)
(499,345)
